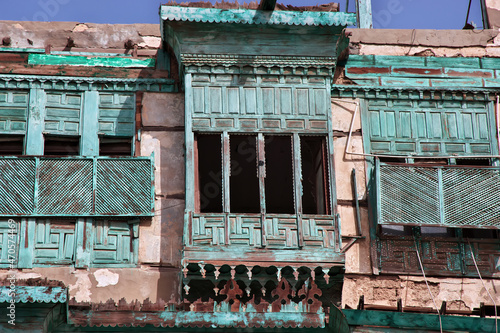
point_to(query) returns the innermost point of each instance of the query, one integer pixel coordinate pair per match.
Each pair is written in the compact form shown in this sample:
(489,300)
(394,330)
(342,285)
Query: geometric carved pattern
(54,242)
(17,185)
(319,232)
(423,126)
(113,242)
(65,185)
(440,256)
(281,232)
(448,196)
(123,186)
(245,231)
(5,236)
(76,186)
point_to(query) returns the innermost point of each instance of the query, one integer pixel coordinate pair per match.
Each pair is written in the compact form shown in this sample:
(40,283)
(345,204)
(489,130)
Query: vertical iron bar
(356,201)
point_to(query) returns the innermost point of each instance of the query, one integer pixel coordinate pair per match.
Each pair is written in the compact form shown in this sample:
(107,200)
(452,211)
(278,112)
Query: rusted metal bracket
(351,242)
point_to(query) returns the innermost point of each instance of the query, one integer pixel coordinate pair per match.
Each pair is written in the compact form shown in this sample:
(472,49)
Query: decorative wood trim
(14,81)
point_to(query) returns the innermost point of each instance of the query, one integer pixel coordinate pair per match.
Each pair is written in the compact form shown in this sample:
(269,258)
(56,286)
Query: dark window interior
(473,161)
(392,159)
(279,175)
(395,230)
(244,181)
(11,145)
(61,145)
(480,233)
(210,172)
(109,146)
(315,196)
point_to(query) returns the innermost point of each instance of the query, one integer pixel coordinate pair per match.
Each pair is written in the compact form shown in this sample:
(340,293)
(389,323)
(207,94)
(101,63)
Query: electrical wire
(484,285)
(427,284)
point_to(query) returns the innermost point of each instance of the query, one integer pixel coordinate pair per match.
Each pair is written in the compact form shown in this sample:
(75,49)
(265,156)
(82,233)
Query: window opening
(110,146)
(437,232)
(395,230)
(480,233)
(315,194)
(61,145)
(279,174)
(244,181)
(209,175)
(11,145)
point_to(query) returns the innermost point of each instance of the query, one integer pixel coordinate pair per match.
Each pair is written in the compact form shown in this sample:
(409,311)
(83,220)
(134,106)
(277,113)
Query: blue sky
(395,14)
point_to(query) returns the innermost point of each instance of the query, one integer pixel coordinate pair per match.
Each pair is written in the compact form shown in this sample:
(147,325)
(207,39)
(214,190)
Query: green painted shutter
(13,111)
(430,127)
(117,114)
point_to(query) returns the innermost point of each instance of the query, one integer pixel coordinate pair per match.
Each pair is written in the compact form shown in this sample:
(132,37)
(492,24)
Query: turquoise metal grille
(65,186)
(446,196)
(97,186)
(123,187)
(17,185)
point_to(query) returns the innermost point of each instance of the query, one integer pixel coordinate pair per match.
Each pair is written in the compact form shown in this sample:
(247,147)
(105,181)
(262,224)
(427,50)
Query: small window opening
(279,175)
(11,145)
(431,161)
(480,233)
(392,160)
(244,181)
(437,232)
(473,161)
(395,230)
(316,195)
(61,145)
(209,170)
(109,146)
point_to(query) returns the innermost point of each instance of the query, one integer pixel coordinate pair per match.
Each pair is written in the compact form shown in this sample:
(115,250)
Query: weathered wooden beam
(267,4)
(418,320)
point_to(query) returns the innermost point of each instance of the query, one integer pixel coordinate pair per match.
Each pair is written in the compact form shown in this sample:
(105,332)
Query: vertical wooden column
(84,242)
(26,243)
(226,174)
(36,116)
(364,14)
(189,137)
(297,169)
(261,162)
(89,141)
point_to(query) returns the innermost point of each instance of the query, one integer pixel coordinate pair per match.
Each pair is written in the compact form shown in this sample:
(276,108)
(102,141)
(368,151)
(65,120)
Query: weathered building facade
(252,167)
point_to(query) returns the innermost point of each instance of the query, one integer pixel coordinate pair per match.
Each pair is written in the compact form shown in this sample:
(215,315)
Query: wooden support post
(297,167)
(36,115)
(261,162)
(89,141)
(267,4)
(364,14)
(226,174)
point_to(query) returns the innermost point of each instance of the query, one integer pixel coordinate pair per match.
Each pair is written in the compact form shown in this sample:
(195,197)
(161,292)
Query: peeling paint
(81,289)
(106,278)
